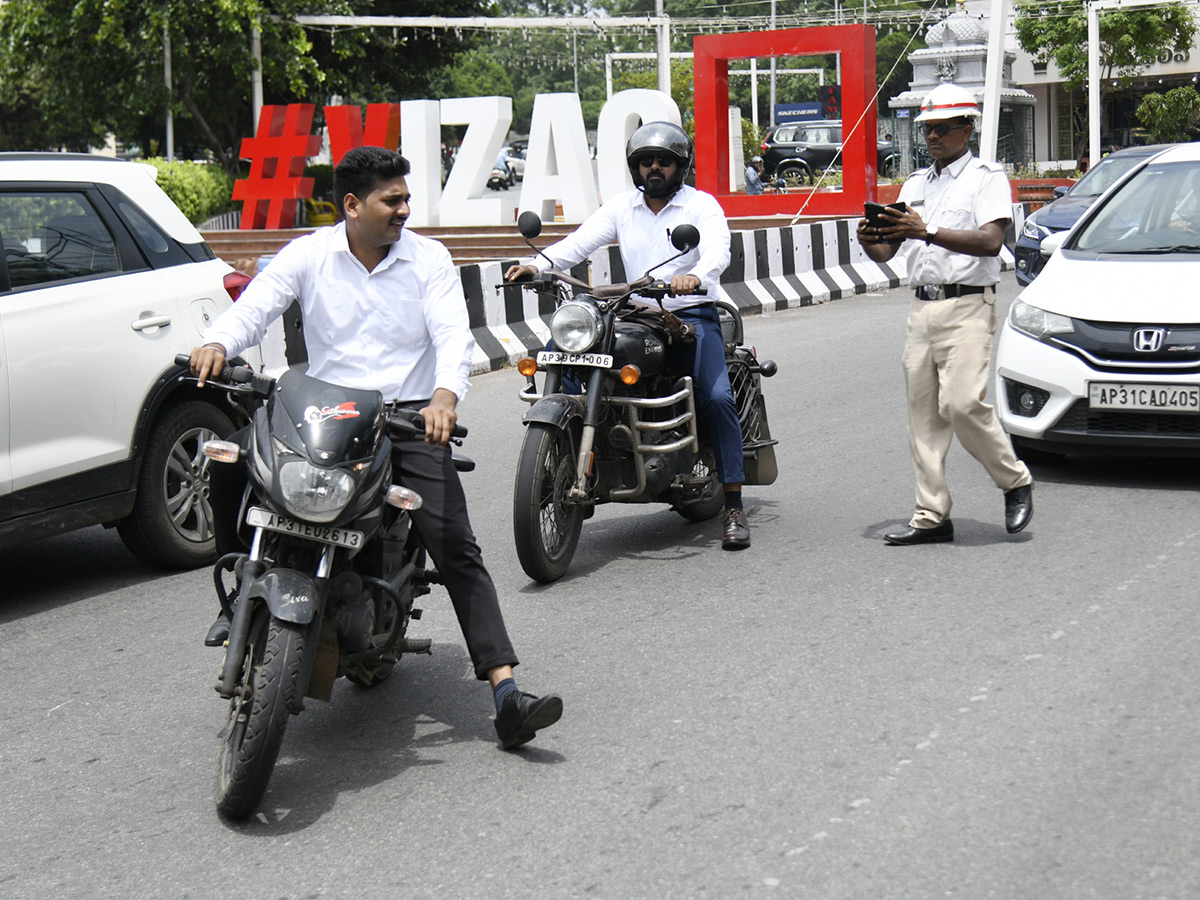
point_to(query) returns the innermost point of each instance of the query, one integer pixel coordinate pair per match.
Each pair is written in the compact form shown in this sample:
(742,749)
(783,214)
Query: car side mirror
(1060,189)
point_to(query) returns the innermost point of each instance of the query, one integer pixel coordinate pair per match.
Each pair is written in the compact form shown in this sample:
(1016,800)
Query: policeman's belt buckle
(932,292)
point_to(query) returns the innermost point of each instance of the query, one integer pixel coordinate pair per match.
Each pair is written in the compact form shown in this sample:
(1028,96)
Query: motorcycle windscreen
(333,423)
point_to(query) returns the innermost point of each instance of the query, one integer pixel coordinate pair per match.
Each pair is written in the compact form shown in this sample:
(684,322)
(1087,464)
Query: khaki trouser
(947,358)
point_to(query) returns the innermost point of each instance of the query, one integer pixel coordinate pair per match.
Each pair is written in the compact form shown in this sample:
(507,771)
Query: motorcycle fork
(587,440)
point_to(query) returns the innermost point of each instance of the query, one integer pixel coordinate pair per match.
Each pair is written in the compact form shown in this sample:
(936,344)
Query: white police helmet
(949,101)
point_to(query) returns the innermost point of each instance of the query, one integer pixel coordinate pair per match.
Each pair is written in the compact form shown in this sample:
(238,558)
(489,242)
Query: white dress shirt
(967,194)
(401,329)
(645,242)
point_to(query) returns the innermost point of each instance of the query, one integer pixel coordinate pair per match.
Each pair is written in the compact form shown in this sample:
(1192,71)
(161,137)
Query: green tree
(1171,116)
(95,67)
(1130,39)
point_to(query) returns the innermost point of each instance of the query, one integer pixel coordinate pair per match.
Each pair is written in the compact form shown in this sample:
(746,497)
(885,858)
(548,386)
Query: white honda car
(103,281)
(1102,350)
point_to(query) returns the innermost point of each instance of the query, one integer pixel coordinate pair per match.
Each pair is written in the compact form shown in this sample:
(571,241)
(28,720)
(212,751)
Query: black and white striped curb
(771,269)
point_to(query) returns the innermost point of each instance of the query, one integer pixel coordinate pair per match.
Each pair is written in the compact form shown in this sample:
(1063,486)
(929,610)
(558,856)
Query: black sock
(502,690)
(733,499)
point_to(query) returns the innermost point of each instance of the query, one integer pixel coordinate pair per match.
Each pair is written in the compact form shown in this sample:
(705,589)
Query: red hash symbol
(346,128)
(277,155)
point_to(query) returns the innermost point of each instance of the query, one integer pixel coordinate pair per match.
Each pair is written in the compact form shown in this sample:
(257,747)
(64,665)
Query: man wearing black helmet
(659,155)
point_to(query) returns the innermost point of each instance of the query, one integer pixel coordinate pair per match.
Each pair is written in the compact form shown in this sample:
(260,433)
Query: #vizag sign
(558,165)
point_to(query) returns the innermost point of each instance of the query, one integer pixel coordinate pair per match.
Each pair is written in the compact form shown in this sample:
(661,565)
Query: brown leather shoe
(736,535)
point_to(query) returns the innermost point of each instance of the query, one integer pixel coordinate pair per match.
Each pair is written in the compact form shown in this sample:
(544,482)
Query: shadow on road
(65,569)
(380,738)
(1159,473)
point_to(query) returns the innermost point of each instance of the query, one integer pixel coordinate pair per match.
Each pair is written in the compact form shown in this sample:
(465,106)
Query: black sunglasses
(941,130)
(663,159)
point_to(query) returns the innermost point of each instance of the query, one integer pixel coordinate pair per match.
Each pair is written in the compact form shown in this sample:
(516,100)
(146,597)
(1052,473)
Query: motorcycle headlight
(1037,323)
(312,493)
(575,327)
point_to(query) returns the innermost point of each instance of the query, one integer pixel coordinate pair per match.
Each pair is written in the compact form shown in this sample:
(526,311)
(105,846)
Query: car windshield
(1104,174)
(1156,211)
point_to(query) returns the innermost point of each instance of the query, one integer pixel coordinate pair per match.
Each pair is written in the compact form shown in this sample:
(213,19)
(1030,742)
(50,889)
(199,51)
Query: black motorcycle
(334,567)
(615,420)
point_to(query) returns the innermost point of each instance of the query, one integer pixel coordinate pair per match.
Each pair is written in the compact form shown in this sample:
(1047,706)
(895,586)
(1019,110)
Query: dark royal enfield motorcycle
(616,420)
(334,567)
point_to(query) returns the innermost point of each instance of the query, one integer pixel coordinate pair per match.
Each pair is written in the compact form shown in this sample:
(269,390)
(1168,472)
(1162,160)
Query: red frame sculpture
(711,54)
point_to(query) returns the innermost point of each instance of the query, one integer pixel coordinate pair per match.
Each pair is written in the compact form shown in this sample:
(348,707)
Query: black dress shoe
(938,534)
(219,633)
(521,715)
(1018,507)
(735,532)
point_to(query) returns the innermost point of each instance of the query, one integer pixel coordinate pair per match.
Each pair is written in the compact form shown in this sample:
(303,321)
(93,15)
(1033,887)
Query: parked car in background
(1102,350)
(797,150)
(516,161)
(1069,204)
(103,281)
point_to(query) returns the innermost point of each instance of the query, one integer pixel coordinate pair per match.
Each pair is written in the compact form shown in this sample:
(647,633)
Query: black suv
(796,150)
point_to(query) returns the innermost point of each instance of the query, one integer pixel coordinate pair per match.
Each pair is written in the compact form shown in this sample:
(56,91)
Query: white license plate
(264,518)
(559,358)
(1144,397)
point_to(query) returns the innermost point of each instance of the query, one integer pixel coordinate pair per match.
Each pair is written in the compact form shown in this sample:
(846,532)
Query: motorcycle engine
(353,613)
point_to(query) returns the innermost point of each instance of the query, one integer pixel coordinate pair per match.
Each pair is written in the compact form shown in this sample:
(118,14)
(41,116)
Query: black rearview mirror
(685,237)
(530,224)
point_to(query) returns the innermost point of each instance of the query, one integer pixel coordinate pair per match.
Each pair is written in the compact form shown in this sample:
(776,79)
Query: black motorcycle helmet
(660,137)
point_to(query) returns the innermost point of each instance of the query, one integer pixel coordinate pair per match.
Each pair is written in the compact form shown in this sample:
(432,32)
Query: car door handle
(150,322)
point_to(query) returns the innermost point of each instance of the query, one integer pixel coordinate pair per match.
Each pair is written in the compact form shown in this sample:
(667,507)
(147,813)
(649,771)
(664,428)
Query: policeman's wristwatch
(930,233)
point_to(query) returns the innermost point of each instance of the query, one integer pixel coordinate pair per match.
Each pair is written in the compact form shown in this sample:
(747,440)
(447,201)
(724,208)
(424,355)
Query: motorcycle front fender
(558,410)
(291,596)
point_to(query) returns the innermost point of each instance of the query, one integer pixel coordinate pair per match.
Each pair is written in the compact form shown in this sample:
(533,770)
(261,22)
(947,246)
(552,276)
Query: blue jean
(714,395)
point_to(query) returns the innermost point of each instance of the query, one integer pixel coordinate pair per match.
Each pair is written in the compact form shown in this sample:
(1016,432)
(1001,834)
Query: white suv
(103,282)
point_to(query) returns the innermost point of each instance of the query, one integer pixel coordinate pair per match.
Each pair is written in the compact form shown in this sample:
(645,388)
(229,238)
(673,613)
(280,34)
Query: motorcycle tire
(545,526)
(258,714)
(711,501)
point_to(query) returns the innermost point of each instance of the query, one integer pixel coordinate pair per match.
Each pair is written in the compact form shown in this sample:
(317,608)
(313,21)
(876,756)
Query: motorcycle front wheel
(546,527)
(258,714)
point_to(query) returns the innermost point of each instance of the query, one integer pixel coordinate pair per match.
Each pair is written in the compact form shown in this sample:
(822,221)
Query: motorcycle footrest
(414,645)
(433,576)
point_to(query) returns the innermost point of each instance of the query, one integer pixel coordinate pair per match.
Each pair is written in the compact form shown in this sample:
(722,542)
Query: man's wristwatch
(930,233)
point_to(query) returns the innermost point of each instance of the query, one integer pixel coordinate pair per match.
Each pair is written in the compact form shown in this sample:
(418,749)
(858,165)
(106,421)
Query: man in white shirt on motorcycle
(660,156)
(383,310)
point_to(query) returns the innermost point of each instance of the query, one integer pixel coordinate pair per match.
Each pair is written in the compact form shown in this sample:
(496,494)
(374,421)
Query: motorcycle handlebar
(235,375)
(409,423)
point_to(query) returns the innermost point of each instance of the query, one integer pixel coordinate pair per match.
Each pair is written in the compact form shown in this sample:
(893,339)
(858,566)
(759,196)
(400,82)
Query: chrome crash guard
(561,409)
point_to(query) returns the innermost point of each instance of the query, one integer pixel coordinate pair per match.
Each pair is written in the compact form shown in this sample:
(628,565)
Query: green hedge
(200,190)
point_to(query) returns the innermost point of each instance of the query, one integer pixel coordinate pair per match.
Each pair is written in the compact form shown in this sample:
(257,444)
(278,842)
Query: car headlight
(1031,229)
(1037,323)
(313,493)
(575,327)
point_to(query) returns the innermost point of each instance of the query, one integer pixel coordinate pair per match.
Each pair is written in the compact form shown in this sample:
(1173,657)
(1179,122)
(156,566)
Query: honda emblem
(1148,340)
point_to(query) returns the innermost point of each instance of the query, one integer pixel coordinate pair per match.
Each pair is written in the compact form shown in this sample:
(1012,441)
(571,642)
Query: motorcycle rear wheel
(546,527)
(712,498)
(258,714)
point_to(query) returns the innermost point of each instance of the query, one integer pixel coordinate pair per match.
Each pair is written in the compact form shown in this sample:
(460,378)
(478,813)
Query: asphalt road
(822,716)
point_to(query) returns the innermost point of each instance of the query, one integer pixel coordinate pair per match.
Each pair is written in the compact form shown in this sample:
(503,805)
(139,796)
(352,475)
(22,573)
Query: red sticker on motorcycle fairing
(347,410)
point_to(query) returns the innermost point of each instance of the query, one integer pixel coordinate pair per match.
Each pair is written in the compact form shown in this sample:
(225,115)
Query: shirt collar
(955,168)
(403,249)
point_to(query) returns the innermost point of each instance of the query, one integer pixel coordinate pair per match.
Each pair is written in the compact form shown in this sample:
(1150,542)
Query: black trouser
(441,523)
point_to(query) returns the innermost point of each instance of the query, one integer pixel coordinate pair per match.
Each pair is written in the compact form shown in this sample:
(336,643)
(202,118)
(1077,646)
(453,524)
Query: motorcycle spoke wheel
(546,525)
(258,714)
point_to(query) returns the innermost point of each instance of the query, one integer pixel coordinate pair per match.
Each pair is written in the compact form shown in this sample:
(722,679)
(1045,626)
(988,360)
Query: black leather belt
(946,291)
